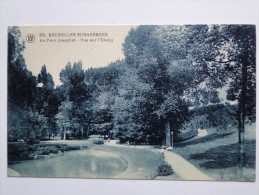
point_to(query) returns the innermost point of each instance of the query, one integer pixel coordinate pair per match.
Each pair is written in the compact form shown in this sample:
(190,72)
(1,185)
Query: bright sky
(94,50)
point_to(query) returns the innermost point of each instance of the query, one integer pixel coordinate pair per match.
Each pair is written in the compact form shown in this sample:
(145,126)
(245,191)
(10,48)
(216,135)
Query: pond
(75,164)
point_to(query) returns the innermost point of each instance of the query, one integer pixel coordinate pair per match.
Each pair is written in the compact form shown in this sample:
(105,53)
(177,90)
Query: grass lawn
(217,154)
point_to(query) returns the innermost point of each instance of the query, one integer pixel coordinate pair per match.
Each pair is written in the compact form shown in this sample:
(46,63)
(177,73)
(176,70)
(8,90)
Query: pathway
(180,165)
(184,168)
(12,173)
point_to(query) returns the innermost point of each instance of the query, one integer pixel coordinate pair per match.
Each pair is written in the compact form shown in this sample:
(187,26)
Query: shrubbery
(164,170)
(98,141)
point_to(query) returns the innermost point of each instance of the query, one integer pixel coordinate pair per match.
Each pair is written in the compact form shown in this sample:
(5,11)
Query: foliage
(47,102)
(15,44)
(64,115)
(155,83)
(214,115)
(75,111)
(169,72)
(22,122)
(227,52)
(22,92)
(72,78)
(164,170)
(103,84)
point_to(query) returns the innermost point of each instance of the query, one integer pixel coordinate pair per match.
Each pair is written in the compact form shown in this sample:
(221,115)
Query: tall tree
(129,109)
(21,87)
(228,53)
(159,56)
(104,83)
(77,96)
(240,65)
(21,82)
(45,103)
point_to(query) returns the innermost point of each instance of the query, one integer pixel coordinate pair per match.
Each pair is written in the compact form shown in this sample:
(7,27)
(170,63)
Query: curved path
(184,168)
(12,173)
(180,165)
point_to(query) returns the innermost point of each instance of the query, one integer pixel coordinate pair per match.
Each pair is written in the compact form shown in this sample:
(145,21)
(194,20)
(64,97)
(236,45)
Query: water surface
(79,164)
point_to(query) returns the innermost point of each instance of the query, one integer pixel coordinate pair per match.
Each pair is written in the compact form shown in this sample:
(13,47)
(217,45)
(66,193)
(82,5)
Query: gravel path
(12,173)
(184,168)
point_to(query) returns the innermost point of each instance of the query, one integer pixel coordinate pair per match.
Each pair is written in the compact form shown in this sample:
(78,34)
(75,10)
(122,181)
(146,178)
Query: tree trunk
(241,138)
(242,114)
(65,134)
(50,133)
(87,131)
(49,127)
(82,131)
(172,138)
(167,134)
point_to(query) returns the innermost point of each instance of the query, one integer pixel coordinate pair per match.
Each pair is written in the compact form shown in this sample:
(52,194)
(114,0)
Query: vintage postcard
(172,102)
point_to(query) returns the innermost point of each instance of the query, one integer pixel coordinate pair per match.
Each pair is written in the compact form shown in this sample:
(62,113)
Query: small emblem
(30,38)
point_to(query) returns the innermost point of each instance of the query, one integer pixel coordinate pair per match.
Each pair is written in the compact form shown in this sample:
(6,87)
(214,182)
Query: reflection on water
(80,164)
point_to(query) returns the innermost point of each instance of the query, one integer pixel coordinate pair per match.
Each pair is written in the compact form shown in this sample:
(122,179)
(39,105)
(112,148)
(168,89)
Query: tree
(167,58)
(75,110)
(129,109)
(103,84)
(45,79)
(45,102)
(15,44)
(64,117)
(241,68)
(160,57)
(229,52)
(21,88)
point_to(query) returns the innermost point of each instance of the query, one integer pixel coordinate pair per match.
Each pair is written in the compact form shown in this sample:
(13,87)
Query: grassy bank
(23,151)
(217,154)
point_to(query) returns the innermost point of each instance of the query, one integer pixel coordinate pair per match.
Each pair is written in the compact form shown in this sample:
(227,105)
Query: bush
(32,141)
(98,141)
(164,170)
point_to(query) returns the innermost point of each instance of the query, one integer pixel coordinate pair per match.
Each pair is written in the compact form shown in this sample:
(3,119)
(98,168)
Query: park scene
(165,102)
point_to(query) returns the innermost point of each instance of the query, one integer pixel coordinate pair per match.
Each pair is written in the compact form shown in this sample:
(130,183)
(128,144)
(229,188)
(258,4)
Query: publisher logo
(30,38)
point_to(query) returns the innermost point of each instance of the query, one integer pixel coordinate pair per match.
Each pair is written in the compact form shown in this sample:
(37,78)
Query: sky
(55,46)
